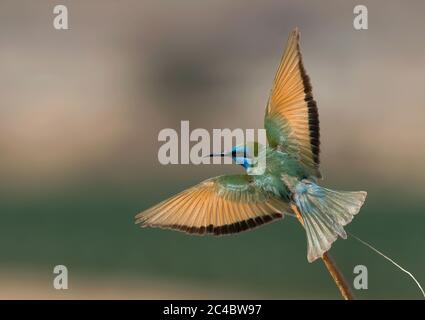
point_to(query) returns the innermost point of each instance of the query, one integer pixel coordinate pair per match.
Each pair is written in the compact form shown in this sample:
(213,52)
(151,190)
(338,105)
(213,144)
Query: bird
(289,185)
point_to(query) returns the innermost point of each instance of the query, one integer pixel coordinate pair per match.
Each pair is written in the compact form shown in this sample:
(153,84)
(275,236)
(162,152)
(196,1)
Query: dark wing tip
(313,112)
(227,229)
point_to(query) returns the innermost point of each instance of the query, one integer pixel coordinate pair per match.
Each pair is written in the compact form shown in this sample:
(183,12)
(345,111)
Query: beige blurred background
(80,113)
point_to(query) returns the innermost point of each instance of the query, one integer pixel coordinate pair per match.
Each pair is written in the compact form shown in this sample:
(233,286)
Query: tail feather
(325,212)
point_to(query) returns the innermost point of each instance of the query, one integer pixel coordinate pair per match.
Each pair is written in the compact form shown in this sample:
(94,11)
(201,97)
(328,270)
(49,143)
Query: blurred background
(80,113)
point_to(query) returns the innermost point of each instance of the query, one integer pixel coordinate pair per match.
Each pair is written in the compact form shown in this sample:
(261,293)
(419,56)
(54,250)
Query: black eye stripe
(235,153)
(243,153)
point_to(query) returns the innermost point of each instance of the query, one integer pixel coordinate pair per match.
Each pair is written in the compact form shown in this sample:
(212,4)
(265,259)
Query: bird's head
(244,154)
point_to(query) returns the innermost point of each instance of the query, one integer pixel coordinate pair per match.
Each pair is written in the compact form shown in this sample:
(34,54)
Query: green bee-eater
(233,203)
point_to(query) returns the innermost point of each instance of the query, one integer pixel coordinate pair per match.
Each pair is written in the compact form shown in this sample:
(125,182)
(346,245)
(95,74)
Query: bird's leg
(337,276)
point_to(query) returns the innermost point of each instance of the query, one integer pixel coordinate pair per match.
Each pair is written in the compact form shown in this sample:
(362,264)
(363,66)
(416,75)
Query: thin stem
(336,274)
(338,277)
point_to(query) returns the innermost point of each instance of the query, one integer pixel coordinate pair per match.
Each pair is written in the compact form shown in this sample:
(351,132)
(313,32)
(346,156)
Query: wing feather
(292,119)
(221,205)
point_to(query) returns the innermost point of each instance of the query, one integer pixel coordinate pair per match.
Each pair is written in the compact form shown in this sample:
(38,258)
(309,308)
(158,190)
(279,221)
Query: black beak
(216,155)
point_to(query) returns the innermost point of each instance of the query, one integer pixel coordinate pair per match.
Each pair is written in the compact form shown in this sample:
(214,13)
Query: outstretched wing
(292,119)
(221,205)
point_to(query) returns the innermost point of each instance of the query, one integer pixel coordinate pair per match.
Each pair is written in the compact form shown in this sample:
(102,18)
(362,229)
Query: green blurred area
(91,230)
